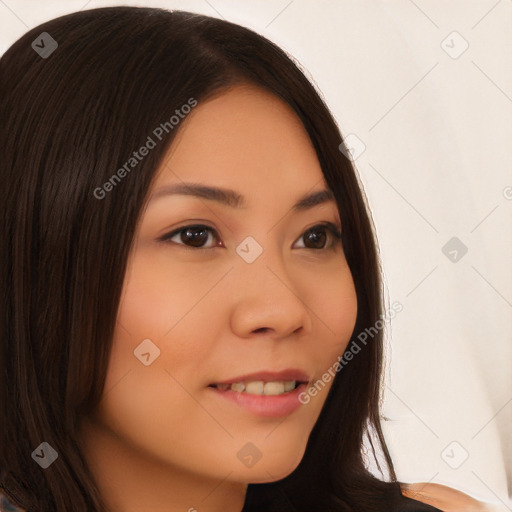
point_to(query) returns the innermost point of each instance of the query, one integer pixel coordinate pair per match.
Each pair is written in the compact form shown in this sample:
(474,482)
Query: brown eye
(190,236)
(315,237)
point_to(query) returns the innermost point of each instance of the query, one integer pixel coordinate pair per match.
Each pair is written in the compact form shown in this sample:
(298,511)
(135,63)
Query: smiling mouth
(259,387)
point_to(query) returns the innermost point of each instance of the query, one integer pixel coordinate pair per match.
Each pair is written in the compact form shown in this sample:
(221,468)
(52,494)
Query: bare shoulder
(445,498)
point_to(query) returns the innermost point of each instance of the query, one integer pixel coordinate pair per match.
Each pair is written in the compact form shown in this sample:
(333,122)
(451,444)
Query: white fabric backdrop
(435,121)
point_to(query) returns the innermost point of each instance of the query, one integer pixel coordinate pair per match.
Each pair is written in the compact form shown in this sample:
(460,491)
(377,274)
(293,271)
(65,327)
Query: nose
(267,302)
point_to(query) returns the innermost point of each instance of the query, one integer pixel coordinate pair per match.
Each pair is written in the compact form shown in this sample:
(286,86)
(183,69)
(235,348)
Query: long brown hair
(68,122)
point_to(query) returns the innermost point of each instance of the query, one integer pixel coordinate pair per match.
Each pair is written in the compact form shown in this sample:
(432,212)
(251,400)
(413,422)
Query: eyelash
(329,226)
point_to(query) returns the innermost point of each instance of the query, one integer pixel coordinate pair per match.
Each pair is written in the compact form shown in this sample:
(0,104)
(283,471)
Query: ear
(445,498)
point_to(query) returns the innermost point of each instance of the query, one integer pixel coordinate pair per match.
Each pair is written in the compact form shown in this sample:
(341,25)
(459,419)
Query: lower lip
(270,406)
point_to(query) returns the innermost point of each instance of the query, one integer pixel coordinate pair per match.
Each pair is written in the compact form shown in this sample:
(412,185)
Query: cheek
(336,312)
(147,303)
(159,294)
(153,306)
(151,310)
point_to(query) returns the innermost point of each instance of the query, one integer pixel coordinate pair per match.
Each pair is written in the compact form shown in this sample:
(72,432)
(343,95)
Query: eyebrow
(233,199)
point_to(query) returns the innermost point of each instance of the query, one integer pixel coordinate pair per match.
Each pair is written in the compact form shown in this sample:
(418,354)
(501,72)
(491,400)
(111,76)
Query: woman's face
(247,292)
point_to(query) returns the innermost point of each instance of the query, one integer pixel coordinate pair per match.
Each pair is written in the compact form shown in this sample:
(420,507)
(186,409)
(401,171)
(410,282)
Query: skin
(447,499)
(160,439)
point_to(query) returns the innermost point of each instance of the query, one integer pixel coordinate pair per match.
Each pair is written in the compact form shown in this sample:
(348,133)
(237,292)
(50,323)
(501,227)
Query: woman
(186,257)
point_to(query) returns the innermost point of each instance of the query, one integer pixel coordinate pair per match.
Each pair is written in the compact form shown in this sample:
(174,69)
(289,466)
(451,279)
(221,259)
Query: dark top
(410,505)
(407,505)
(281,503)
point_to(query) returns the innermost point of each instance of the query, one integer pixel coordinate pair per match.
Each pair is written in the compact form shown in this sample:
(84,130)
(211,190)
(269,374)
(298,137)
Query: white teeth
(254,388)
(289,385)
(274,388)
(258,387)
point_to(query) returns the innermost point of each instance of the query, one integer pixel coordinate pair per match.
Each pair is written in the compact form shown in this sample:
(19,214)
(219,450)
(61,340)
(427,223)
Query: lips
(263,398)
(267,376)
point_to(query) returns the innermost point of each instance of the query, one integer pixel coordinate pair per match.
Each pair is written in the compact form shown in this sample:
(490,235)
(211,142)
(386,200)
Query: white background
(437,164)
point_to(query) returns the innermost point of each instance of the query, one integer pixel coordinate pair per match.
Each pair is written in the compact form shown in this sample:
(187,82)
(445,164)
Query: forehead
(245,135)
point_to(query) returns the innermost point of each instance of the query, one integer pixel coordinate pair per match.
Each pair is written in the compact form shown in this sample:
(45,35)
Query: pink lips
(262,405)
(269,406)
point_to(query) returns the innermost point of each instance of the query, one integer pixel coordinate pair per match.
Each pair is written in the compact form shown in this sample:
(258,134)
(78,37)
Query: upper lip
(266,376)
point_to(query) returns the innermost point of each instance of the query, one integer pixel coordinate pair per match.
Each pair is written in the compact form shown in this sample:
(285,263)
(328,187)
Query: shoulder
(6,505)
(444,498)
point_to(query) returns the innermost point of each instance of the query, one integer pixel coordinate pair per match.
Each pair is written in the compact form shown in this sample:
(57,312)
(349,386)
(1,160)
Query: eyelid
(333,228)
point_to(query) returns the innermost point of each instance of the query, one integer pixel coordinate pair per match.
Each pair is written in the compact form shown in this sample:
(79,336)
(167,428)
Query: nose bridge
(266,296)
(263,260)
